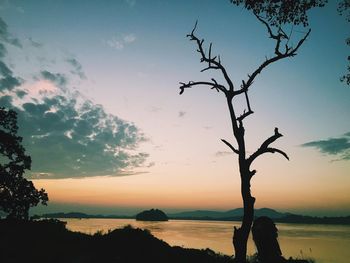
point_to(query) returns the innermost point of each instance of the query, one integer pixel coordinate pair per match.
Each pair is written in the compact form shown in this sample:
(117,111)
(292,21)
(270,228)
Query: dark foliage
(17,194)
(346,77)
(344,10)
(152,215)
(278,12)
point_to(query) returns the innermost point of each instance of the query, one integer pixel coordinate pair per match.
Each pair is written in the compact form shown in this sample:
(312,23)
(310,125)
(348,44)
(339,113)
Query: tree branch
(289,51)
(264,148)
(214,85)
(213,62)
(245,114)
(279,37)
(230,146)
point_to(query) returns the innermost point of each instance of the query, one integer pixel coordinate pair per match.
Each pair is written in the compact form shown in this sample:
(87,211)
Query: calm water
(325,243)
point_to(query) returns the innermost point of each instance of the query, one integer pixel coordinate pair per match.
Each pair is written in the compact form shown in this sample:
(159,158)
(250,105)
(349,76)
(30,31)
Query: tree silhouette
(17,194)
(282,50)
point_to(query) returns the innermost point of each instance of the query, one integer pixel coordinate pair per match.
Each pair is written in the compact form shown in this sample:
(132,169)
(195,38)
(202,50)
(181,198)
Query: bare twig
(230,146)
(213,62)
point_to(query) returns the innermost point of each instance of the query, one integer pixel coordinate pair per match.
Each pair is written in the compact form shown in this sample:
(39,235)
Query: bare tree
(282,50)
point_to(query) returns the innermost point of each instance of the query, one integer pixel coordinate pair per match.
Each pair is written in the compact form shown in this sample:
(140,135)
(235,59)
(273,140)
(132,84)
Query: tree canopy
(278,12)
(17,194)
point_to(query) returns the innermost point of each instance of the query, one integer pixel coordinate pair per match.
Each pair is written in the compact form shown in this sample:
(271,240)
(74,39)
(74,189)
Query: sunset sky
(96,88)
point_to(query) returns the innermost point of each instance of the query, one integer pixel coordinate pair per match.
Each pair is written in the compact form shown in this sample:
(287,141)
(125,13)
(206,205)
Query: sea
(323,243)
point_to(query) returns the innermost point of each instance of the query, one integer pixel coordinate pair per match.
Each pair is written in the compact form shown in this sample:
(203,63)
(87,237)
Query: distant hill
(152,215)
(230,214)
(298,219)
(278,217)
(78,215)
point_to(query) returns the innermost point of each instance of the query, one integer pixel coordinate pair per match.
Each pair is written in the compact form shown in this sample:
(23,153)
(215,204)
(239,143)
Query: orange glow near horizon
(193,188)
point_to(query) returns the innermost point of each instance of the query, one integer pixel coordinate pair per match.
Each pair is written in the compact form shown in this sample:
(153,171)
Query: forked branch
(212,62)
(289,51)
(265,148)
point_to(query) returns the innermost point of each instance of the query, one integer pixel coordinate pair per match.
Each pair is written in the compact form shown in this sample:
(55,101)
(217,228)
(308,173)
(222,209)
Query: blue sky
(119,63)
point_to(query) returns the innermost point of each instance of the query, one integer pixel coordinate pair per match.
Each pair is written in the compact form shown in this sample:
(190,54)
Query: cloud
(35,44)
(222,153)
(339,147)
(65,139)
(57,78)
(120,42)
(181,114)
(154,109)
(67,135)
(77,68)
(7,80)
(7,4)
(129,38)
(6,37)
(131,3)
(115,43)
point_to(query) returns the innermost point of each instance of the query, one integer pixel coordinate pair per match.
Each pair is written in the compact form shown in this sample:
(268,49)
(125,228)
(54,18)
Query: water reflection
(326,244)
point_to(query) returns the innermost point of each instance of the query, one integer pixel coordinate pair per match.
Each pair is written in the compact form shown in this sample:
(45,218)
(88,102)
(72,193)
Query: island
(152,215)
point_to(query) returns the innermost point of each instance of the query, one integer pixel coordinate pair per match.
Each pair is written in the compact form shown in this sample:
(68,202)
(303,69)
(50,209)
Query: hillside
(49,241)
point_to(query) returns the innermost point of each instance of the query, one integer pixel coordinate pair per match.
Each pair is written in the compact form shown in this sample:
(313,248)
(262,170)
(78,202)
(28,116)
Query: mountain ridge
(237,212)
(229,215)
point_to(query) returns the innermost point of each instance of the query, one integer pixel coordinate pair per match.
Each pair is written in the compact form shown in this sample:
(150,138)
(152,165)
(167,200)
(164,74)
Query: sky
(96,88)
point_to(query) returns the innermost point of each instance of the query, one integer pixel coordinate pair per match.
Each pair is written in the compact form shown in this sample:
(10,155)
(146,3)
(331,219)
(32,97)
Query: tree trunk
(240,235)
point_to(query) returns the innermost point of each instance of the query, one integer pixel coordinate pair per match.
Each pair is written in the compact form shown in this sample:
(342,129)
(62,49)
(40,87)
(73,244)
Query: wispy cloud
(339,147)
(222,153)
(77,67)
(154,109)
(129,38)
(119,42)
(35,43)
(131,3)
(181,114)
(7,4)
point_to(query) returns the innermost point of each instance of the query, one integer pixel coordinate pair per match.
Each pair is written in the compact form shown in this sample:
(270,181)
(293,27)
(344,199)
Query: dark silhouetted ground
(50,241)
